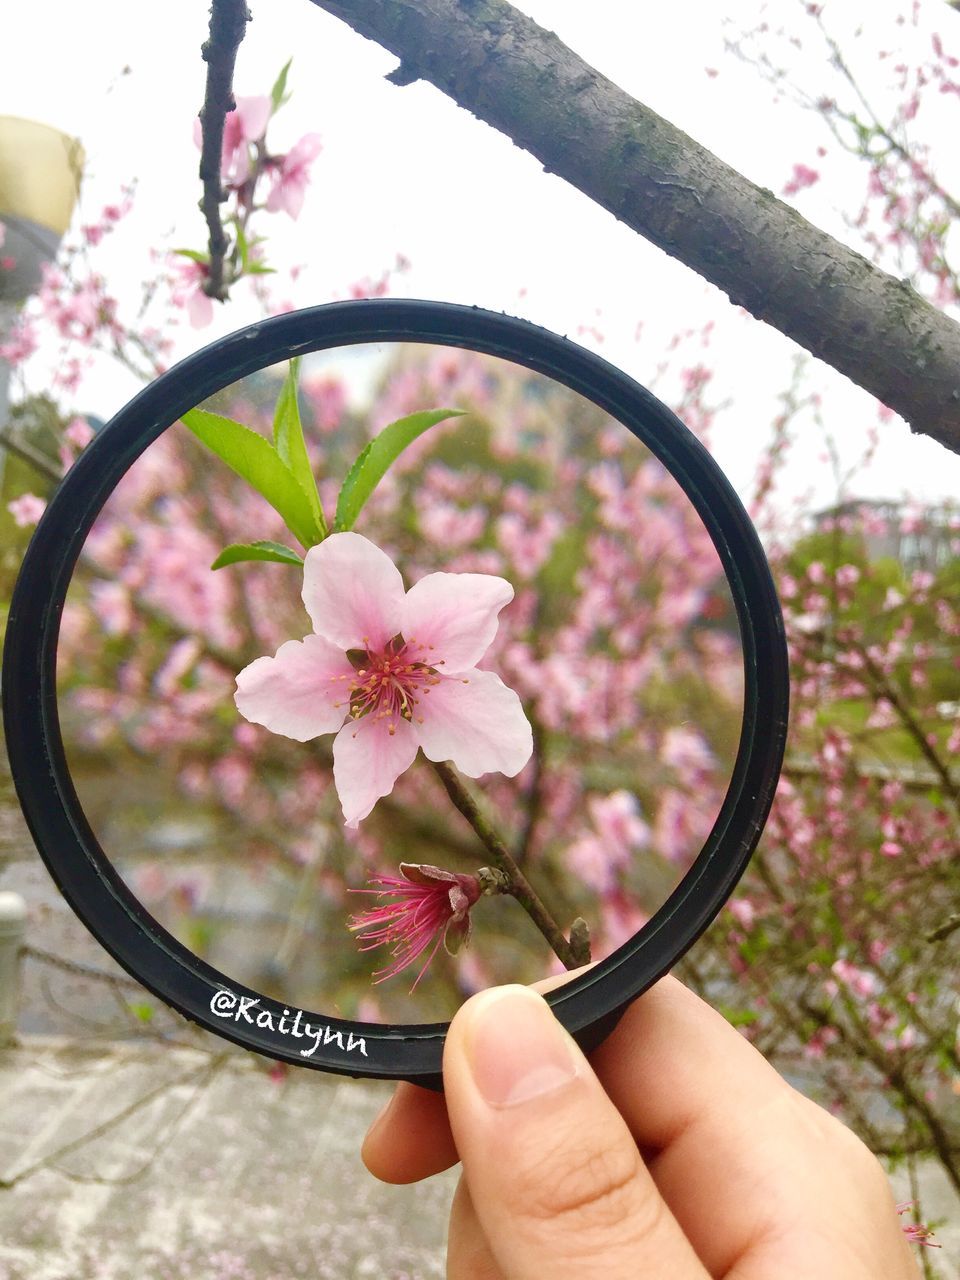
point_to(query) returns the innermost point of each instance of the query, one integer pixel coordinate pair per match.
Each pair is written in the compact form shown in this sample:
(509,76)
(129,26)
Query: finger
(410,1139)
(671,1057)
(730,1142)
(468,1254)
(554,1174)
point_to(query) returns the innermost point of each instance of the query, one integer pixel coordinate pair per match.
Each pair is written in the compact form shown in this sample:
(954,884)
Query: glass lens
(544,736)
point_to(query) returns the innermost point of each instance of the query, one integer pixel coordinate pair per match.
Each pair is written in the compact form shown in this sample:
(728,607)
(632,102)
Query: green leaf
(142,1011)
(238,551)
(289,443)
(373,463)
(242,247)
(280,87)
(739,1017)
(249,265)
(193,254)
(256,460)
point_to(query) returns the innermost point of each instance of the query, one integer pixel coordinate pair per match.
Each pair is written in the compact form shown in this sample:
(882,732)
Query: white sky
(404,170)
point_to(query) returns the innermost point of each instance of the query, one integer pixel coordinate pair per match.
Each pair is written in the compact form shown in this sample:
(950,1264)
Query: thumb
(556,1179)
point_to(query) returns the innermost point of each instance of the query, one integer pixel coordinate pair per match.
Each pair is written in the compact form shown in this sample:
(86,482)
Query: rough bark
(228,23)
(508,71)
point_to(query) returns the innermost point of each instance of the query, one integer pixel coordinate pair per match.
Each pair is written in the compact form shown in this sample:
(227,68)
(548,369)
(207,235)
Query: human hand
(679,1153)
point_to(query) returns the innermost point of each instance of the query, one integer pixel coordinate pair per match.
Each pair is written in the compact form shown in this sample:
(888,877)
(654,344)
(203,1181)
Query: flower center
(390,683)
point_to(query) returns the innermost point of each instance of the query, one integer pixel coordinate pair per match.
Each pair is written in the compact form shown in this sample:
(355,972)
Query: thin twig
(885,688)
(534,794)
(520,887)
(228,24)
(79,970)
(944,930)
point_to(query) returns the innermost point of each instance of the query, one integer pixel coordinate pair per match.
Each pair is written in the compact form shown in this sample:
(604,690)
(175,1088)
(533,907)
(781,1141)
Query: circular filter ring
(588,1006)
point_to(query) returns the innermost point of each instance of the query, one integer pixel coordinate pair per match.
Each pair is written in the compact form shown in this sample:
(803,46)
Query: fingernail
(518,1051)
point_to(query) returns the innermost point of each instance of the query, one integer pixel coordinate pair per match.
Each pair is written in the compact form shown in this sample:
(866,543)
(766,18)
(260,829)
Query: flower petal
(421,873)
(254,113)
(457,933)
(353,592)
(301,693)
(456,615)
(478,723)
(367,761)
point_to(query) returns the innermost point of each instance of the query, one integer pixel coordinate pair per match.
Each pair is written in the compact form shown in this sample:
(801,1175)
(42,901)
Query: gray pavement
(171,1162)
(174,1163)
(151,1151)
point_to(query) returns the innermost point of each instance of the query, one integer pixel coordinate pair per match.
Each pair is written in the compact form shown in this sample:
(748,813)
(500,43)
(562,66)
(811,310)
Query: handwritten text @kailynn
(224,1004)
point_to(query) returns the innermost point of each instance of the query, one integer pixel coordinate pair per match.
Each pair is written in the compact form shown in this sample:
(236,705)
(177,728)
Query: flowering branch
(571,953)
(883,687)
(499,64)
(228,24)
(879,129)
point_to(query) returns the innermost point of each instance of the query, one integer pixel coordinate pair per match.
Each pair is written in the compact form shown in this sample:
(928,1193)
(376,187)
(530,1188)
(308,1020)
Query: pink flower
(743,911)
(241,127)
(21,342)
(291,175)
(914,1231)
(26,510)
(389,672)
(803,176)
(432,904)
(79,432)
(187,290)
(860,981)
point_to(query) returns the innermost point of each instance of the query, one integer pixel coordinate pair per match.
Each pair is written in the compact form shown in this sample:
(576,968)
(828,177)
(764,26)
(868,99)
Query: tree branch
(517,883)
(883,687)
(511,73)
(228,23)
(26,453)
(944,930)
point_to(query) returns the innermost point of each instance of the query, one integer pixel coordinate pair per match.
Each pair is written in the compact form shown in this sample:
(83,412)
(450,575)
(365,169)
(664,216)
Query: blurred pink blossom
(21,342)
(598,857)
(327,398)
(291,173)
(26,510)
(803,176)
(743,911)
(186,290)
(79,432)
(618,821)
(449,525)
(860,981)
(112,606)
